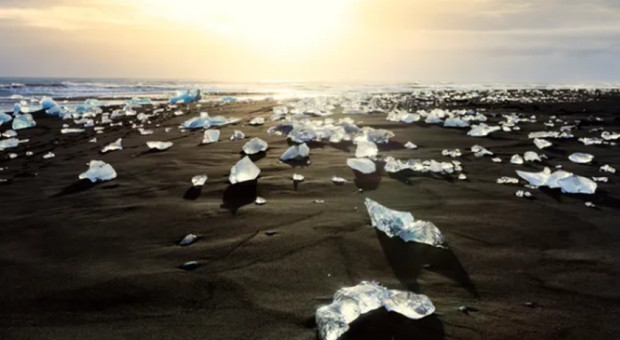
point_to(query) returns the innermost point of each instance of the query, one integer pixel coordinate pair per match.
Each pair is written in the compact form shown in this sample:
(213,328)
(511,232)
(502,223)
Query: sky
(468,41)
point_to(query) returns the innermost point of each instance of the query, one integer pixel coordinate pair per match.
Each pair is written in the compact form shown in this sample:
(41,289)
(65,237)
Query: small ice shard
(516,159)
(363,165)
(199,180)
(49,155)
(482,130)
(160,146)
(29,153)
(600,179)
(574,184)
(210,136)
(350,302)
(98,171)
(581,158)
(298,177)
(237,135)
(531,156)
(254,146)
(318,201)
(402,224)
(12,155)
(338,180)
(610,135)
(462,177)
(496,160)
(455,122)
(23,121)
(190,265)
(410,146)
(260,200)
(480,151)
(507,180)
(145,132)
(257,121)
(366,149)
(536,179)
(245,170)
(296,152)
(186,97)
(590,204)
(607,168)
(8,143)
(452,153)
(523,194)
(94,140)
(542,143)
(113,146)
(188,239)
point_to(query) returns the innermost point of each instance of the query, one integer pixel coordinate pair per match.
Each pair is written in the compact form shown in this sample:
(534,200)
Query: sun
(270,26)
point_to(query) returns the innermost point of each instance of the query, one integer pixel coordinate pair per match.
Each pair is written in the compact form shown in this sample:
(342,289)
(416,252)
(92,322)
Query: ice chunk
(206,121)
(237,135)
(66,131)
(350,302)
(48,103)
(516,159)
(49,155)
(566,181)
(94,140)
(610,135)
(590,205)
(414,306)
(410,146)
(366,149)
(581,158)
(257,121)
(452,153)
(210,136)
(607,168)
(482,130)
(199,180)
(188,239)
(186,97)
(363,165)
(244,170)
(254,146)
(496,160)
(600,179)
(507,180)
(338,180)
(531,156)
(402,224)
(542,143)
(455,122)
(23,121)
(574,184)
(9,134)
(523,194)
(480,151)
(113,146)
(157,145)
(5,118)
(296,152)
(298,177)
(260,200)
(536,179)
(8,143)
(98,171)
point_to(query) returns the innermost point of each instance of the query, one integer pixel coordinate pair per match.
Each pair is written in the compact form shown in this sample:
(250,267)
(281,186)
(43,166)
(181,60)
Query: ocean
(75,90)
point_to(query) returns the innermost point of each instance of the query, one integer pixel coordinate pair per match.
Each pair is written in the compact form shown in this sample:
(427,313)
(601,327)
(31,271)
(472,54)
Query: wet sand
(100,261)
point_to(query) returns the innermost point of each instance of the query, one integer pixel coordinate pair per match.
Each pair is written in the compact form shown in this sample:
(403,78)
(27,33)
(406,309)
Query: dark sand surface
(101,261)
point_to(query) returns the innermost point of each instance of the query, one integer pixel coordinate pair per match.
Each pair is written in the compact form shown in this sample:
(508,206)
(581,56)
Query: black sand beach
(84,261)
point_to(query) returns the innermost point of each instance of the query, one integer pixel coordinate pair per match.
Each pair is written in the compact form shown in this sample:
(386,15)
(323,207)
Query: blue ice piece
(186,97)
